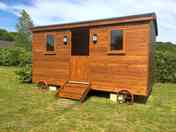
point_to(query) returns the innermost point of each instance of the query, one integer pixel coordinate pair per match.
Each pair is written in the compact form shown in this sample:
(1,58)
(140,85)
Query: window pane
(50,43)
(80,42)
(116,40)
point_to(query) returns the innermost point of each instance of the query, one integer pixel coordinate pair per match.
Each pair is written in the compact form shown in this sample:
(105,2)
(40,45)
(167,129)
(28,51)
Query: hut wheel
(42,84)
(124,96)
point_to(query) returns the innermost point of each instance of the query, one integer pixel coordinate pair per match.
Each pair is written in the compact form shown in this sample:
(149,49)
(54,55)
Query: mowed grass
(24,108)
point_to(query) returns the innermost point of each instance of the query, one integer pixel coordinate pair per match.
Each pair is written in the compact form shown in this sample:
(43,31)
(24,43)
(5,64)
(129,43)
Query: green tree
(24,36)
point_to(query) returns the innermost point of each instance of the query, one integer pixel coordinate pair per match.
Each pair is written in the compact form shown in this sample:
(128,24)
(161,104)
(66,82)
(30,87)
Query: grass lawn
(23,108)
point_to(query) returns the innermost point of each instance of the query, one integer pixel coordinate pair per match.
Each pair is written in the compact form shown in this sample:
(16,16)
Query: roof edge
(124,19)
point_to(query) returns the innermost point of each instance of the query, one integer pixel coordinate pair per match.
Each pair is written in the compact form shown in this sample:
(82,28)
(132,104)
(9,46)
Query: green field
(24,108)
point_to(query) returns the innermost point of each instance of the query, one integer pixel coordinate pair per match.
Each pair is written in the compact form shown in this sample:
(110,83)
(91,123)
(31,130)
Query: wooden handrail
(80,82)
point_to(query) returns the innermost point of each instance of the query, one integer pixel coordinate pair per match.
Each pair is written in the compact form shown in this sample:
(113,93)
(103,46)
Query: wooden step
(69,89)
(74,90)
(70,95)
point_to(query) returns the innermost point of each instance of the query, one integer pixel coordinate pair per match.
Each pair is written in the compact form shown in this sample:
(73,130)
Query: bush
(8,56)
(18,57)
(165,63)
(25,57)
(14,57)
(24,74)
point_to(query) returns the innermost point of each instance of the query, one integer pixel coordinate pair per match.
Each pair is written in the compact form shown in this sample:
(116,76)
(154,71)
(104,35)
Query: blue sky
(44,12)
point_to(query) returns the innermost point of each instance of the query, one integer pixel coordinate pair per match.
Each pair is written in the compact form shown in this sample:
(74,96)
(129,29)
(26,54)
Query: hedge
(165,67)
(165,62)
(14,57)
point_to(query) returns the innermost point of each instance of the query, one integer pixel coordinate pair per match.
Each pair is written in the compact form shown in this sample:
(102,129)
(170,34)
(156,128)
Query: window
(80,42)
(116,40)
(50,43)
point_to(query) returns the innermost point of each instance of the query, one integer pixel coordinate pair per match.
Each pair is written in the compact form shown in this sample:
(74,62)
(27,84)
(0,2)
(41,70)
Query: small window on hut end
(116,44)
(50,43)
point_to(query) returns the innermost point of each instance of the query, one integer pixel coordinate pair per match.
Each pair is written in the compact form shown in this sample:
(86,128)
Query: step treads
(70,95)
(74,91)
(71,92)
(76,85)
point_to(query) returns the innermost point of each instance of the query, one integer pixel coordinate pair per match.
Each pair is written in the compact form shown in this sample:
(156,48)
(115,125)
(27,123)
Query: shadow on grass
(140,99)
(98,94)
(106,95)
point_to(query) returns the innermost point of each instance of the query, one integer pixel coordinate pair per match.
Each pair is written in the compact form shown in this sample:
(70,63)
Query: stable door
(79,55)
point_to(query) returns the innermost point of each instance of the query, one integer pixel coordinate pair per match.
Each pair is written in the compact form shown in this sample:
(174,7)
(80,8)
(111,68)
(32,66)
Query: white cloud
(59,11)
(3,6)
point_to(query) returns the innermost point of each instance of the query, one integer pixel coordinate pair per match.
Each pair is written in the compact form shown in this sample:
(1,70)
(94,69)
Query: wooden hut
(112,55)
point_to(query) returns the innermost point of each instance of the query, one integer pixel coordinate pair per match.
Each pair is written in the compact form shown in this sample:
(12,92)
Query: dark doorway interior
(80,42)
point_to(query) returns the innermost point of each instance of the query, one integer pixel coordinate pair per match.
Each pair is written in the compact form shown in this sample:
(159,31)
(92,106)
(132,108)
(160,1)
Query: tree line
(7,36)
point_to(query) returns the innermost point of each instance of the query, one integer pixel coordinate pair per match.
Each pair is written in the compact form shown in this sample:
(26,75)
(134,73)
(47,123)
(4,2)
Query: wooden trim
(150,55)
(50,53)
(116,52)
(121,52)
(79,82)
(70,51)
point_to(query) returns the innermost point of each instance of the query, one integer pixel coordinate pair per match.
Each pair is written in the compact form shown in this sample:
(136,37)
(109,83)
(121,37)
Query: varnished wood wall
(53,67)
(107,72)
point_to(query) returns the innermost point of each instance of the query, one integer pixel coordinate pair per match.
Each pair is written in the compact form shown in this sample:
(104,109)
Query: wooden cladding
(82,59)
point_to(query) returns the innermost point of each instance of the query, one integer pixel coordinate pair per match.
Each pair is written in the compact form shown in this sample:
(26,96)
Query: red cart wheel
(124,96)
(42,84)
